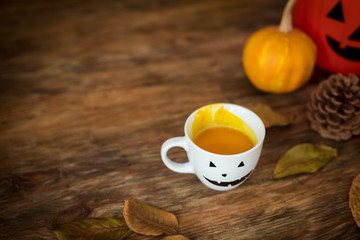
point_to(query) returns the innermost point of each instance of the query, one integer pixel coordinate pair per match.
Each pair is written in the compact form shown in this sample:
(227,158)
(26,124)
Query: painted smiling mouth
(226,184)
(348,52)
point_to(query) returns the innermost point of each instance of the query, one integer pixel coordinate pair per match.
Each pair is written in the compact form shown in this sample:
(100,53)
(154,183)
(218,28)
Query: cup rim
(257,145)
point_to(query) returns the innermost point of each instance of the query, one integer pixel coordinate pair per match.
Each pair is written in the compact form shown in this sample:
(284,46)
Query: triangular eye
(356,35)
(212,164)
(337,13)
(241,164)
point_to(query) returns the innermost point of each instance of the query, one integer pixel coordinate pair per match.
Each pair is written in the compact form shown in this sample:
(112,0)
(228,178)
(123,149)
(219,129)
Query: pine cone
(334,107)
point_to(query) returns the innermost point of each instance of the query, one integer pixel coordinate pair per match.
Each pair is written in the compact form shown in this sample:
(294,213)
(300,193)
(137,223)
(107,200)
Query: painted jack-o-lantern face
(226,176)
(334,25)
(223,171)
(347,51)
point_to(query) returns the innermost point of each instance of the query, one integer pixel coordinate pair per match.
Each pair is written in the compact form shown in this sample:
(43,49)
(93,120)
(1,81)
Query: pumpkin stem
(286,25)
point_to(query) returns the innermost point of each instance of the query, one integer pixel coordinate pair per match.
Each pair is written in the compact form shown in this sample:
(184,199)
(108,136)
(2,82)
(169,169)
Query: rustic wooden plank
(90,91)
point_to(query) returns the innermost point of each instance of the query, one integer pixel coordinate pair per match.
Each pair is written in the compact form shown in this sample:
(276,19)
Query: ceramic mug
(217,171)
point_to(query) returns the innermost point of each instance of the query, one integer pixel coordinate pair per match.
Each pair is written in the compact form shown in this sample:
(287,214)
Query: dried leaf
(147,220)
(303,158)
(354,199)
(175,237)
(94,228)
(269,116)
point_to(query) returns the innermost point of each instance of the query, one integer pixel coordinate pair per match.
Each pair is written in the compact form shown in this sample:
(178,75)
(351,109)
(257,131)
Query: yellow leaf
(303,158)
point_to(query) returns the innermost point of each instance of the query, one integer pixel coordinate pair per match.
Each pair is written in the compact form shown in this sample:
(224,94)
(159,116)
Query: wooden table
(90,90)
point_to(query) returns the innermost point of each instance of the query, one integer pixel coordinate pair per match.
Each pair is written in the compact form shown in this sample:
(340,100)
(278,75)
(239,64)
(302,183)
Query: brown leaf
(303,158)
(269,116)
(175,237)
(147,220)
(354,199)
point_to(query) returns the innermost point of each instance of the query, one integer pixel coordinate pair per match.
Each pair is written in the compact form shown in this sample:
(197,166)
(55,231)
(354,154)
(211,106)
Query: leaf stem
(286,25)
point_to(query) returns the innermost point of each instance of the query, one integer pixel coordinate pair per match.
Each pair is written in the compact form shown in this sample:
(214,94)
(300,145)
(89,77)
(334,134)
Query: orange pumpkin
(279,59)
(335,28)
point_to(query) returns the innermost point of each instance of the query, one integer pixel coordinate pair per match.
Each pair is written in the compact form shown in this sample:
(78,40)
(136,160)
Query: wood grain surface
(89,90)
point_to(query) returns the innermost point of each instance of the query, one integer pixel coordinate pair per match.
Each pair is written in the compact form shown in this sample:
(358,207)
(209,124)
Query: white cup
(217,171)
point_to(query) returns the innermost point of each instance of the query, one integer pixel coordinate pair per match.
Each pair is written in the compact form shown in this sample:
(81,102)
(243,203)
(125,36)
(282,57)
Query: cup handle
(174,166)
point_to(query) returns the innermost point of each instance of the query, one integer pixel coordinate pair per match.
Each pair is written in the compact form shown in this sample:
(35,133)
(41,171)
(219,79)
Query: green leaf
(303,158)
(94,228)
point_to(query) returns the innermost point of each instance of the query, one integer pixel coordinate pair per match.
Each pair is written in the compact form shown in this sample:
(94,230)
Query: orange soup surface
(223,140)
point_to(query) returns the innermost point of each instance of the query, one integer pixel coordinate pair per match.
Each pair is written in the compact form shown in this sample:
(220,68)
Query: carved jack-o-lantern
(334,26)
